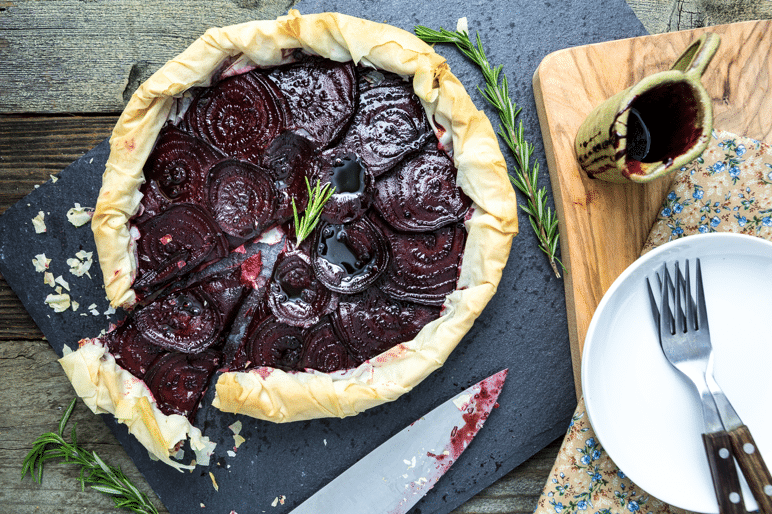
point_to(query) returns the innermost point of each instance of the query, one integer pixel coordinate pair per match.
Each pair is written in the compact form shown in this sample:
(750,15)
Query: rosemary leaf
(526,174)
(317,197)
(95,472)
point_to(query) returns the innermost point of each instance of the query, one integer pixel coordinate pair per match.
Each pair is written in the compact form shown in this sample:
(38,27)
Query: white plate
(647,415)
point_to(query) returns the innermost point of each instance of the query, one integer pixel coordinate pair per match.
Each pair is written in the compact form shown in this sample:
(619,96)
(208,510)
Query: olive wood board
(604,225)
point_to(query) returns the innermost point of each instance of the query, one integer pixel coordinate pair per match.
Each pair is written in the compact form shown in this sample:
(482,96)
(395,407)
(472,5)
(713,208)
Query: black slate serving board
(523,328)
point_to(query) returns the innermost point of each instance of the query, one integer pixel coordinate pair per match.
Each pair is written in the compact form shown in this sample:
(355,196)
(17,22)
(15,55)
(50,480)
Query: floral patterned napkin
(727,189)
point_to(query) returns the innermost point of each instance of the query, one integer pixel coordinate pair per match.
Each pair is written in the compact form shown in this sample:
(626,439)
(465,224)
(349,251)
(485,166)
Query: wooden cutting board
(602,225)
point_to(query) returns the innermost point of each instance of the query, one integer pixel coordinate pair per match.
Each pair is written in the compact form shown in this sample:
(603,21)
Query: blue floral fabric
(727,189)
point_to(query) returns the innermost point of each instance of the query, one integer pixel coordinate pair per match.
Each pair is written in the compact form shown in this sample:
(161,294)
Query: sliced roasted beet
(242,197)
(179,164)
(178,381)
(289,160)
(321,95)
(227,291)
(323,350)
(390,124)
(275,345)
(240,115)
(175,242)
(421,194)
(342,169)
(371,323)
(187,321)
(153,203)
(132,352)
(348,258)
(424,266)
(295,296)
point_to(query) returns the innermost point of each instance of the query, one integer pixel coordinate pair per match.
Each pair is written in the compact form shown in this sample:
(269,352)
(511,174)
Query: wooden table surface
(48,122)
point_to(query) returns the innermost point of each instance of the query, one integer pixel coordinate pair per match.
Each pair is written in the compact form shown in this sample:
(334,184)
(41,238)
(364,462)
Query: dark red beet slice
(390,123)
(289,160)
(175,242)
(178,381)
(321,95)
(240,115)
(153,202)
(242,198)
(348,258)
(421,194)
(227,291)
(371,323)
(179,164)
(423,267)
(131,352)
(295,296)
(323,350)
(342,169)
(275,345)
(187,321)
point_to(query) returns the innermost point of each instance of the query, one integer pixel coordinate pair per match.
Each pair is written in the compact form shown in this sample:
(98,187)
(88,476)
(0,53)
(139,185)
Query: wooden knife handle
(753,467)
(718,446)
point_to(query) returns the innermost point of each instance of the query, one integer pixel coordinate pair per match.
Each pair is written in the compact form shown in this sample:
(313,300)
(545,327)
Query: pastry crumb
(79,215)
(58,302)
(214,482)
(41,263)
(54,178)
(59,280)
(48,278)
(81,263)
(39,223)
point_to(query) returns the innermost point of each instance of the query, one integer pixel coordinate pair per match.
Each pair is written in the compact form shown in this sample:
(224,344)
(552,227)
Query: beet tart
(197,236)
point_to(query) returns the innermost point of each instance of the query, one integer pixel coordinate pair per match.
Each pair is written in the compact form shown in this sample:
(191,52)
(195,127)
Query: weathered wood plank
(36,38)
(39,37)
(33,149)
(34,392)
(671,15)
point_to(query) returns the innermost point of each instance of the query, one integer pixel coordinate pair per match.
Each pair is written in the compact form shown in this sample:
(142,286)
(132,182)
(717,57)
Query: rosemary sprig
(496,92)
(317,197)
(106,479)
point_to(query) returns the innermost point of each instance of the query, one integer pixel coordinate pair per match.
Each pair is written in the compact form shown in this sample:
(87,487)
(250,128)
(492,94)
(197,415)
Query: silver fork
(685,340)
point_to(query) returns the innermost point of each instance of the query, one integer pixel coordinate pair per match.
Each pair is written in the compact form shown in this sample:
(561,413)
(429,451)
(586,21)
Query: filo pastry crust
(272,394)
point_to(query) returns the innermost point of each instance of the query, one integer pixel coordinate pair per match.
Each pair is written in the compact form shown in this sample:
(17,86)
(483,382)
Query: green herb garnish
(496,92)
(317,197)
(106,479)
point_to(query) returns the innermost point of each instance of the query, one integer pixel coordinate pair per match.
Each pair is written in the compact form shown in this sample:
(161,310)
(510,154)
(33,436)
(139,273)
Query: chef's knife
(394,476)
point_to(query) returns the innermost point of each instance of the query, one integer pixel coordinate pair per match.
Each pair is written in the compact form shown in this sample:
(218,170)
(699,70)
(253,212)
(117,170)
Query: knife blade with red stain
(394,476)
